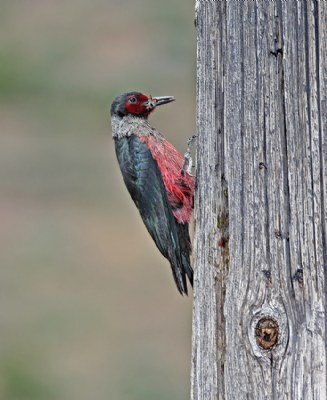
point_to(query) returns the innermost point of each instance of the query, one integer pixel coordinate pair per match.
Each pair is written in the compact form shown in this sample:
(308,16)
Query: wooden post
(259,329)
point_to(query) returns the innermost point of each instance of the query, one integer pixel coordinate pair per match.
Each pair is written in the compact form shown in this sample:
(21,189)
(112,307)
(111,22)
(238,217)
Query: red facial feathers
(135,104)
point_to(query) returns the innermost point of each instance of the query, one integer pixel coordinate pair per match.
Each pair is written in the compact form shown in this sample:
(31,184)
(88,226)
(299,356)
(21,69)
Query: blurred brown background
(88,306)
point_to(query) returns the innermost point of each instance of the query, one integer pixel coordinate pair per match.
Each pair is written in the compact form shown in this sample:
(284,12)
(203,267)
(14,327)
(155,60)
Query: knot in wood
(266,333)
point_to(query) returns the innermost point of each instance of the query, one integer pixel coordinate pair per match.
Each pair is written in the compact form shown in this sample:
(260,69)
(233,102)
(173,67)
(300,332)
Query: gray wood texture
(260,251)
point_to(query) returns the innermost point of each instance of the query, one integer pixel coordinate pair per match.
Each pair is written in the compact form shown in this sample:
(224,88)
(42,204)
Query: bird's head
(138,104)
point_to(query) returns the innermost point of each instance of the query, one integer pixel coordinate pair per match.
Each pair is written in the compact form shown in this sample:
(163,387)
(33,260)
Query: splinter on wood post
(260,248)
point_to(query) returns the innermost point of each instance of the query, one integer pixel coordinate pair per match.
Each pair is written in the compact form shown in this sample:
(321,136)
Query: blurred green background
(88,306)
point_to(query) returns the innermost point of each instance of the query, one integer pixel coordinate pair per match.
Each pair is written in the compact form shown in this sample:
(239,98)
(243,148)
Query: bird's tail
(183,267)
(188,269)
(180,272)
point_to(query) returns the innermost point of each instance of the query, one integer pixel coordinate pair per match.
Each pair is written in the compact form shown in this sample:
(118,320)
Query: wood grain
(261,201)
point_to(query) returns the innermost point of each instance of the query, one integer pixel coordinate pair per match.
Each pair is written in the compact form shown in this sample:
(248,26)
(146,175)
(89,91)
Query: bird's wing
(145,185)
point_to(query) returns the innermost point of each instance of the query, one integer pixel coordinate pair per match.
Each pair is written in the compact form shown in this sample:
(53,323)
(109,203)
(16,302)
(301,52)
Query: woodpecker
(155,176)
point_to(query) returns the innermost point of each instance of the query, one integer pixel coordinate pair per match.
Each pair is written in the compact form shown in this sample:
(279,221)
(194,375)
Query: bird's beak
(153,102)
(162,100)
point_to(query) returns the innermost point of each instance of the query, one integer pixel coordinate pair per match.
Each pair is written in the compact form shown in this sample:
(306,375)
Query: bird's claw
(190,142)
(188,163)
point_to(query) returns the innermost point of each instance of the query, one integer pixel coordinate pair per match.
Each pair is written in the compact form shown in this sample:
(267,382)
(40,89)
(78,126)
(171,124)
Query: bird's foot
(188,163)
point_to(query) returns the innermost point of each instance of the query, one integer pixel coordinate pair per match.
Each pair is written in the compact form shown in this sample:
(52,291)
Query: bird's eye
(132,100)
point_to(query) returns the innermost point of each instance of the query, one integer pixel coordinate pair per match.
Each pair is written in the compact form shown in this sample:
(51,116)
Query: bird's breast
(179,187)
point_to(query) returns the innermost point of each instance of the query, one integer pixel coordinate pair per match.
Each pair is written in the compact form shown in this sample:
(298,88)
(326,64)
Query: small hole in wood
(267,274)
(298,276)
(278,234)
(266,333)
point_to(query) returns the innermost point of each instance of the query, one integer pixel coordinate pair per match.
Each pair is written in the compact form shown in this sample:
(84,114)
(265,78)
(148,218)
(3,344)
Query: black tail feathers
(180,274)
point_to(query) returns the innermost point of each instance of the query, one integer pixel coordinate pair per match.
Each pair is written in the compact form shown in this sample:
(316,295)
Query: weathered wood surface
(261,203)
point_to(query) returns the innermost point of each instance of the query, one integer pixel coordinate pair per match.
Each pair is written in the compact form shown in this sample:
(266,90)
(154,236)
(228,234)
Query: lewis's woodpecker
(155,176)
